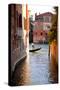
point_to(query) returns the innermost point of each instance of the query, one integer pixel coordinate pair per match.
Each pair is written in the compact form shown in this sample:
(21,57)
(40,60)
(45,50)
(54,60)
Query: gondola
(33,50)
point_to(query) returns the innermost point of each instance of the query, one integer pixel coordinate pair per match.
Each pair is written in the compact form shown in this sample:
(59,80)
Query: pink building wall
(42,25)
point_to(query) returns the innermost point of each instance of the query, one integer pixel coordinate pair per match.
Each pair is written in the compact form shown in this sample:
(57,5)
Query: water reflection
(39,65)
(21,73)
(38,69)
(53,71)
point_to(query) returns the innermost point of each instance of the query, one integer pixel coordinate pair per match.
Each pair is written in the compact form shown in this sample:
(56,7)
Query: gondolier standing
(33,45)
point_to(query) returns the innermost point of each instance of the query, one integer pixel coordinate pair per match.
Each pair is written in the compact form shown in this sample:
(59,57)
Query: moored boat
(35,49)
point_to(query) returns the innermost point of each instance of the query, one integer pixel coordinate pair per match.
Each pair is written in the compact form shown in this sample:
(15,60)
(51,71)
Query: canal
(39,64)
(36,69)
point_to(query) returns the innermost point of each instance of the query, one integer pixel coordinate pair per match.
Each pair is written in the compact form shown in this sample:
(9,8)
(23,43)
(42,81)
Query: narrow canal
(39,64)
(35,70)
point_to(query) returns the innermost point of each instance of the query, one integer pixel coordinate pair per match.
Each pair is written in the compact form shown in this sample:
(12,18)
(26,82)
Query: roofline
(44,14)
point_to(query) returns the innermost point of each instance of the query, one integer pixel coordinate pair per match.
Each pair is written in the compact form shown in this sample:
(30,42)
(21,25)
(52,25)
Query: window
(41,33)
(41,19)
(36,18)
(46,19)
(20,20)
(46,34)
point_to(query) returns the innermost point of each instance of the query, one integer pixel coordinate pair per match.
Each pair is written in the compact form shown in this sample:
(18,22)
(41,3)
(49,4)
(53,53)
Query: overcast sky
(37,8)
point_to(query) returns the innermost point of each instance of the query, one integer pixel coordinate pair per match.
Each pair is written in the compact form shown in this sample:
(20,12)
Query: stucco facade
(42,25)
(19,35)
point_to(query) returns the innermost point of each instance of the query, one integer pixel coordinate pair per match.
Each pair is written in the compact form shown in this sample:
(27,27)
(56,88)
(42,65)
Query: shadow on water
(21,74)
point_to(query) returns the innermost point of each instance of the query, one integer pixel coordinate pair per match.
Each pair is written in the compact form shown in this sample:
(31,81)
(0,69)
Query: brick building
(41,28)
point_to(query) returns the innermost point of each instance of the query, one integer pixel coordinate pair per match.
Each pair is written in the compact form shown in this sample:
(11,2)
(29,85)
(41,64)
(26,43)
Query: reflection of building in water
(21,73)
(53,71)
(19,35)
(42,26)
(54,61)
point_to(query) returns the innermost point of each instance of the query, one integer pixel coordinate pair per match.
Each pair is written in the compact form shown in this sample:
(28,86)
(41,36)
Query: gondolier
(33,45)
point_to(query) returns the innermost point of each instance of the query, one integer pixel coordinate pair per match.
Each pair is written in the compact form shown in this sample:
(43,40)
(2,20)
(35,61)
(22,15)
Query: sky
(39,9)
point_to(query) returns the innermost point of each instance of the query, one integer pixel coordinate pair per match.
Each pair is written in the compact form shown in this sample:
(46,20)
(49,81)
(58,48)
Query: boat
(35,49)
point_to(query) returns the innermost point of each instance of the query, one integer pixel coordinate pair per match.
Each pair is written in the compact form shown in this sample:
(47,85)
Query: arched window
(46,34)
(41,34)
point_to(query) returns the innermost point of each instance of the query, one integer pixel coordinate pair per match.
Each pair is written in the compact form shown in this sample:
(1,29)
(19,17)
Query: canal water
(39,65)
(36,69)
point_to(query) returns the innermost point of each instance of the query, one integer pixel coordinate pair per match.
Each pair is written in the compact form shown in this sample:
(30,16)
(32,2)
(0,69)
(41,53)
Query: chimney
(35,16)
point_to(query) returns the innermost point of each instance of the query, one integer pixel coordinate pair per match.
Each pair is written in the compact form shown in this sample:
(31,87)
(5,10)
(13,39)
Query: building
(31,30)
(42,25)
(19,34)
